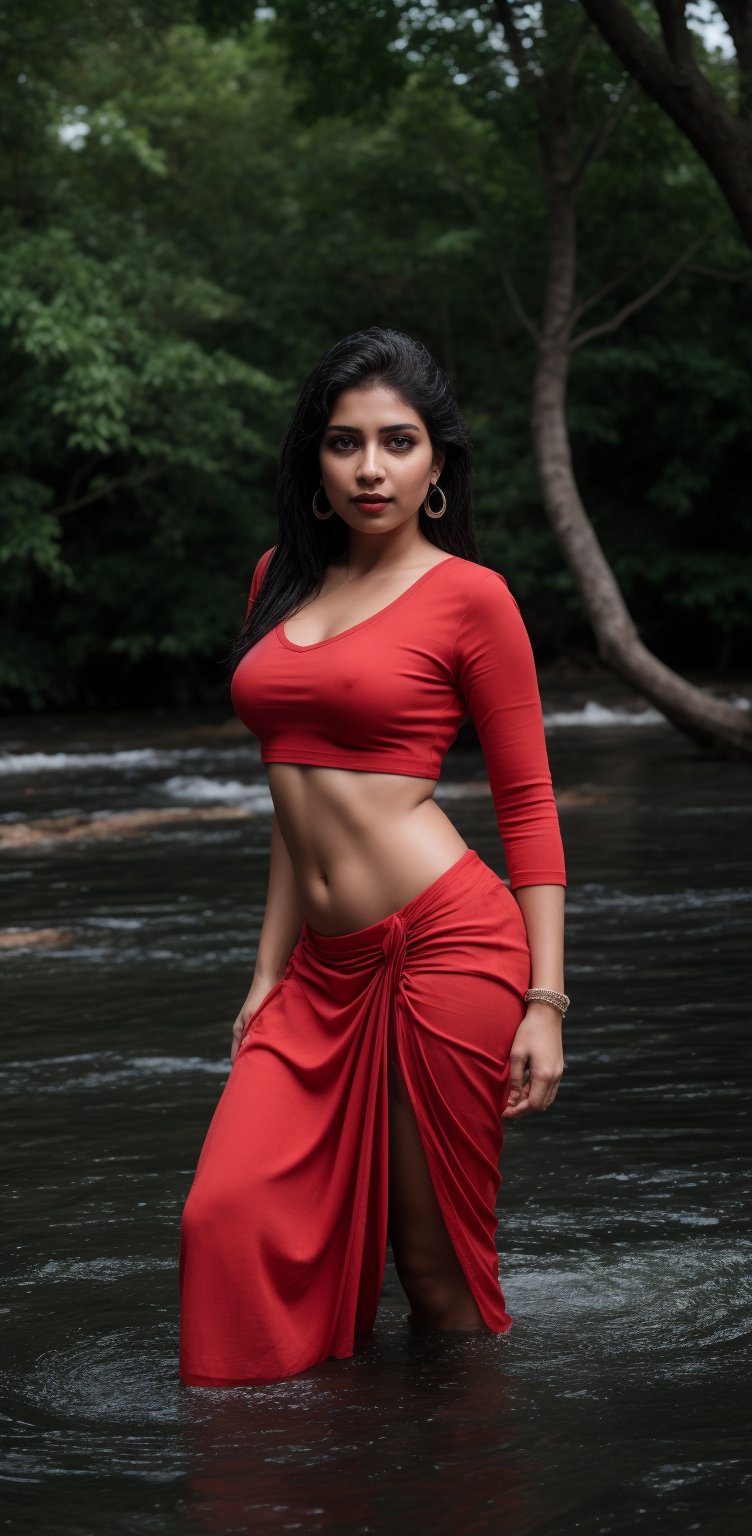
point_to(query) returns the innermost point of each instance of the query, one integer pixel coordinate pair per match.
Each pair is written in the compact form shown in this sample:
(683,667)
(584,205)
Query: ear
(438,465)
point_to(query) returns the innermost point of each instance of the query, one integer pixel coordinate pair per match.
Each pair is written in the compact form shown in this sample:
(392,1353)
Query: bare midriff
(361,844)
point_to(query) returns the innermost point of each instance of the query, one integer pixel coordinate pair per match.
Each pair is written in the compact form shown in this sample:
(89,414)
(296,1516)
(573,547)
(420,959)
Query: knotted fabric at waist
(426,921)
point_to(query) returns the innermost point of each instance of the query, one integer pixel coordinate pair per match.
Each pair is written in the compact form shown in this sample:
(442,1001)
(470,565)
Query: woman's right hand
(253,1001)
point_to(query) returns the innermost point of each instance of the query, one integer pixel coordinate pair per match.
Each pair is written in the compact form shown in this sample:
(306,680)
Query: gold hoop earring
(322,516)
(426,508)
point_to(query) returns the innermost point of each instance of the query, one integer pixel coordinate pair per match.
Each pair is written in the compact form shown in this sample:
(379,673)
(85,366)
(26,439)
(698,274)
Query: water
(132,876)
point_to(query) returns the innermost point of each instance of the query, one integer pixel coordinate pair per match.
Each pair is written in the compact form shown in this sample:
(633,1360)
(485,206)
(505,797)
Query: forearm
(542,908)
(536,1060)
(283,918)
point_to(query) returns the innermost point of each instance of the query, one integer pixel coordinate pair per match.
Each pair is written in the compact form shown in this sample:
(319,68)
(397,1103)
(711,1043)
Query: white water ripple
(197,790)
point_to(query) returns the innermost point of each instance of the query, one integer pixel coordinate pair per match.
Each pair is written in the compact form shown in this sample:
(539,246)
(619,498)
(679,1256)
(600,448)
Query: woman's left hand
(538,1050)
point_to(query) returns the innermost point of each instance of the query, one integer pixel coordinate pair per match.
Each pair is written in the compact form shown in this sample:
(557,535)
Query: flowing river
(133,865)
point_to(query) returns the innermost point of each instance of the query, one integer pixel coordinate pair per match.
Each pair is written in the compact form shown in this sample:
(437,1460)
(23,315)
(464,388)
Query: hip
(455,956)
(467,912)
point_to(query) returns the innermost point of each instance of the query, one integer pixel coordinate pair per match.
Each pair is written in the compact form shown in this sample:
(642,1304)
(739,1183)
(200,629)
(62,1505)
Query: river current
(133,864)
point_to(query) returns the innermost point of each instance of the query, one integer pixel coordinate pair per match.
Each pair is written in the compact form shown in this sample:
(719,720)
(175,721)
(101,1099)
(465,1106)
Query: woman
(390,1025)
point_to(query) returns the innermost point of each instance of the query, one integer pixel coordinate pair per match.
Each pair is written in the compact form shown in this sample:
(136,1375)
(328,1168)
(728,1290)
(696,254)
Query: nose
(369,467)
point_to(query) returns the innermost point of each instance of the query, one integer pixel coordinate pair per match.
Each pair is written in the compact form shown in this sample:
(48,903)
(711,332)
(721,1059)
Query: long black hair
(305,546)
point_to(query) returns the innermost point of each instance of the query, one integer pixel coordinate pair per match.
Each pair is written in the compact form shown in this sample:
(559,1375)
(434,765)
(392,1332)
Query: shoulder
(490,624)
(260,568)
(485,590)
(257,578)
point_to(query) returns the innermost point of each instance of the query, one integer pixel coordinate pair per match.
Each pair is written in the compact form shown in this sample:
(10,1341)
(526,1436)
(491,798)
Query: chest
(353,690)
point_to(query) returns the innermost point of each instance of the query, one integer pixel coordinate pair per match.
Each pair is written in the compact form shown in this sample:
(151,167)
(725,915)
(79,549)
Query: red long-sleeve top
(389,694)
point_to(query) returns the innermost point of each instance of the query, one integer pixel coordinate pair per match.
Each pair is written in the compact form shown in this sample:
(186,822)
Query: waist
(428,915)
(360,845)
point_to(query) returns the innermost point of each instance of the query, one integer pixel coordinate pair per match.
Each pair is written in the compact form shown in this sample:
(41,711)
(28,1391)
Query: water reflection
(324,1454)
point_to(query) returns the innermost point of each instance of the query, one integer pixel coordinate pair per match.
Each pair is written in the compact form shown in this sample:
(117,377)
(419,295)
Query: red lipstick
(371,503)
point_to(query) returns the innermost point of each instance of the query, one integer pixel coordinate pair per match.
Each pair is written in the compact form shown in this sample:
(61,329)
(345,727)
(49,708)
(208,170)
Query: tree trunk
(707,720)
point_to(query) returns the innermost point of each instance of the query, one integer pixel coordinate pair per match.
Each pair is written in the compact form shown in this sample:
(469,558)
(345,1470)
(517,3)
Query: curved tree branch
(719,274)
(676,34)
(678,85)
(607,326)
(590,302)
(513,39)
(597,145)
(137,478)
(515,300)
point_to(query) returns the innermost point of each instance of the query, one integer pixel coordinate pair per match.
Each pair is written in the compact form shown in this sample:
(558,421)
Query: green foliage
(198,202)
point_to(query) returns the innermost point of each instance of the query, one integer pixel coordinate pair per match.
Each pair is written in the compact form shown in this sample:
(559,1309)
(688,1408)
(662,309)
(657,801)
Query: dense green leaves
(198,202)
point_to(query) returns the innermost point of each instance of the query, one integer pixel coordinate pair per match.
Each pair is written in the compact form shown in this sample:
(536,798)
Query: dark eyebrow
(399,426)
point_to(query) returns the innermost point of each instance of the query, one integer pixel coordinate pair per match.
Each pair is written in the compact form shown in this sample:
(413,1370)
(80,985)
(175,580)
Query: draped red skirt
(284,1232)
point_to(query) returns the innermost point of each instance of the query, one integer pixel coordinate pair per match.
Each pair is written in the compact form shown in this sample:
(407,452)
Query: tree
(134,431)
(546,53)
(192,213)
(671,73)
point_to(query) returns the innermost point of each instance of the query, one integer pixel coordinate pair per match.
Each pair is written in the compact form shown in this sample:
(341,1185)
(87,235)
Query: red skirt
(284,1232)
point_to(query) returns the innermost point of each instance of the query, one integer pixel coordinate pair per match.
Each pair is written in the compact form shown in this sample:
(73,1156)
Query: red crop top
(389,694)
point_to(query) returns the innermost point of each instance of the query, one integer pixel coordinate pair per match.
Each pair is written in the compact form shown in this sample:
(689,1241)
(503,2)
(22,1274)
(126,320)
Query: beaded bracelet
(544,995)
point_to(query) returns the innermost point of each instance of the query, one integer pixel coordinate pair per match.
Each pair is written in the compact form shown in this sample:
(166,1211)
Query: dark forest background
(198,199)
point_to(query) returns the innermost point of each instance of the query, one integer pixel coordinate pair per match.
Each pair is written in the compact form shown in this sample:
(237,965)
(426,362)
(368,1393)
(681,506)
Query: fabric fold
(284,1232)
